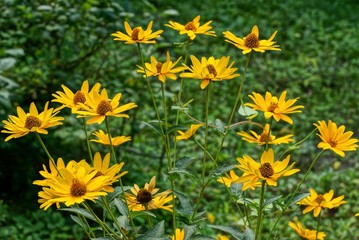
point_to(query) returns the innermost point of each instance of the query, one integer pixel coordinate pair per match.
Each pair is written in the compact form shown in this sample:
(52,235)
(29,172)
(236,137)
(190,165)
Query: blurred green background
(44,44)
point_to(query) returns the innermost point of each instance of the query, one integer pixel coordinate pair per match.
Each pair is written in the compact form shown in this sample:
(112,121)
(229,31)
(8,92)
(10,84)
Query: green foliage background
(44,44)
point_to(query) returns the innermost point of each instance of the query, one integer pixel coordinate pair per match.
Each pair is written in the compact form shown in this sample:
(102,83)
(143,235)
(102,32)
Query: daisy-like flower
(70,99)
(306,233)
(104,139)
(210,69)
(222,237)
(335,138)
(228,179)
(99,106)
(147,198)
(274,107)
(179,234)
(267,170)
(193,28)
(252,42)
(262,138)
(317,202)
(161,70)
(24,123)
(187,135)
(137,35)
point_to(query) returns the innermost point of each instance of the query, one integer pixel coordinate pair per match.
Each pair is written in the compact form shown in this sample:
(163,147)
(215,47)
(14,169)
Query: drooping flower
(267,170)
(210,69)
(179,234)
(317,202)
(104,139)
(252,42)
(99,106)
(70,99)
(262,138)
(187,135)
(161,70)
(137,34)
(335,138)
(147,198)
(306,233)
(193,28)
(274,107)
(228,179)
(24,123)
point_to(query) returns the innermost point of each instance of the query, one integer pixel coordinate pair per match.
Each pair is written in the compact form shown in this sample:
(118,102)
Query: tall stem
(87,140)
(260,212)
(47,152)
(318,224)
(206,134)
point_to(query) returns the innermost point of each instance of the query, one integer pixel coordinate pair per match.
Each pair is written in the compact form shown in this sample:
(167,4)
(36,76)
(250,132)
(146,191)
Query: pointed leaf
(184,172)
(219,125)
(270,200)
(81,211)
(182,163)
(222,169)
(236,189)
(248,234)
(157,232)
(121,206)
(186,207)
(175,128)
(155,128)
(247,112)
(189,231)
(298,197)
(235,232)
(79,222)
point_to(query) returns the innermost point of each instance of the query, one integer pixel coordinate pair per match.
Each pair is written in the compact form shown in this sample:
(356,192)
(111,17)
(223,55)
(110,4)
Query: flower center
(251,41)
(144,196)
(78,188)
(264,138)
(79,97)
(333,142)
(103,107)
(211,69)
(135,33)
(190,26)
(159,67)
(31,122)
(319,199)
(266,170)
(272,107)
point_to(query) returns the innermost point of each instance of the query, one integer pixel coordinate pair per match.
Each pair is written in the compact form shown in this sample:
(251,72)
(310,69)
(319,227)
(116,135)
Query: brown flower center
(159,67)
(135,33)
(251,41)
(78,188)
(266,170)
(332,142)
(103,107)
(264,138)
(211,69)
(272,107)
(319,199)
(144,196)
(31,122)
(190,26)
(79,97)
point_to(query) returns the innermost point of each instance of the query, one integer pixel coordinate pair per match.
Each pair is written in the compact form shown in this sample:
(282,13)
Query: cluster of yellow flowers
(75,182)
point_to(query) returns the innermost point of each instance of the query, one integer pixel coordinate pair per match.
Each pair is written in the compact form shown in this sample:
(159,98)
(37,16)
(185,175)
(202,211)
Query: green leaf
(81,211)
(157,129)
(298,197)
(186,208)
(175,128)
(247,112)
(182,163)
(8,82)
(219,171)
(78,221)
(219,125)
(271,200)
(157,232)
(235,232)
(15,52)
(236,189)
(121,206)
(201,237)
(6,63)
(184,172)
(189,231)
(248,234)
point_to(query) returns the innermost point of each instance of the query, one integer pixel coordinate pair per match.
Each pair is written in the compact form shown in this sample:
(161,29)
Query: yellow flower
(24,123)
(335,138)
(187,135)
(104,139)
(306,233)
(137,35)
(274,107)
(263,137)
(70,99)
(161,70)
(357,215)
(211,217)
(147,198)
(210,69)
(99,106)
(222,237)
(192,28)
(268,170)
(252,42)
(317,201)
(228,179)
(179,234)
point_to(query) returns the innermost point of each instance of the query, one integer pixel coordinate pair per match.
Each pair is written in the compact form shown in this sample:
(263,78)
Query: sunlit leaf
(247,112)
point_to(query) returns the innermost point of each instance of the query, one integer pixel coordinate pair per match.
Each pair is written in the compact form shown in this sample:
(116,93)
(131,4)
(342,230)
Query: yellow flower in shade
(317,202)
(187,135)
(99,106)
(274,107)
(228,179)
(193,28)
(263,137)
(104,139)
(252,42)
(357,215)
(210,69)
(222,237)
(70,99)
(335,138)
(179,234)
(267,170)
(147,198)
(137,35)
(306,233)
(24,123)
(161,70)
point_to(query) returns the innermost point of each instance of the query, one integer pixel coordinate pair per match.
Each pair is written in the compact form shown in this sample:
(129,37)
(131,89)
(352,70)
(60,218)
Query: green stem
(47,152)
(110,139)
(318,224)
(260,212)
(206,134)
(205,150)
(87,140)
(269,133)
(294,193)
(113,216)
